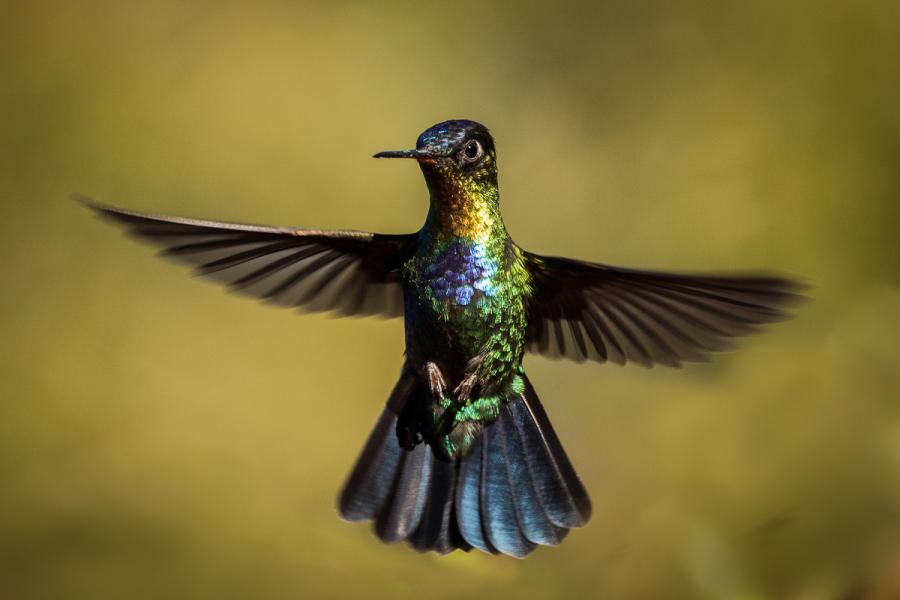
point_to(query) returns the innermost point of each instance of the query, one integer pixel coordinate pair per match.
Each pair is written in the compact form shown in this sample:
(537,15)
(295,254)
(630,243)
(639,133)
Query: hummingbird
(463,454)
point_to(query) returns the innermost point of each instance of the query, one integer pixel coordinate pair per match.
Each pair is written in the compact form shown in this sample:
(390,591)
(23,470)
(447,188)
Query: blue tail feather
(555,496)
(559,462)
(530,512)
(437,519)
(370,482)
(514,490)
(498,510)
(468,501)
(403,512)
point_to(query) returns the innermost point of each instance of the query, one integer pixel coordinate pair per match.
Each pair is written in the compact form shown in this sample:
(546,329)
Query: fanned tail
(513,491)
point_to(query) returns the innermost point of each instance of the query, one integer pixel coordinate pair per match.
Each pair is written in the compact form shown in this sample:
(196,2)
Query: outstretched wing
(581,310)
(350,272)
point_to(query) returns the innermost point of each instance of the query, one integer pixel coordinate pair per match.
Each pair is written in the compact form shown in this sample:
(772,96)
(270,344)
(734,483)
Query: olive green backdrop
(162,439)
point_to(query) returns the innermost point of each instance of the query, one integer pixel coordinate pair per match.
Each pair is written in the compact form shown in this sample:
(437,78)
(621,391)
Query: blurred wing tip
(797,296)
(100,209)
(83,200)
(125,217)
(790,287)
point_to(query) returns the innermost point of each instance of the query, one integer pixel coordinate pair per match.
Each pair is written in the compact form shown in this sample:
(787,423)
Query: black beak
(420,155)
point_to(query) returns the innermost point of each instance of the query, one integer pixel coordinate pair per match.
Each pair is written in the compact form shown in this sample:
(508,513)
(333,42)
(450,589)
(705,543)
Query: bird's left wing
(581,310)
(350,272)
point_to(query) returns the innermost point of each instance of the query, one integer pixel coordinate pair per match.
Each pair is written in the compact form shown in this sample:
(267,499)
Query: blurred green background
(162,439)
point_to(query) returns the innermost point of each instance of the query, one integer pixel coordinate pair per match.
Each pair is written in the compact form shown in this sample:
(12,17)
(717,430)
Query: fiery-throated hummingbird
(463,455)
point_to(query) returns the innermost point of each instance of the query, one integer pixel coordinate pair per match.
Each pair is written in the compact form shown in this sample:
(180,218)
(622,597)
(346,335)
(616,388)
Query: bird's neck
(465,210)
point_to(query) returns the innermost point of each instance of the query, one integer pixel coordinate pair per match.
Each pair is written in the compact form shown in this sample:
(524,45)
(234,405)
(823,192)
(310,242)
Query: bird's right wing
(350,272)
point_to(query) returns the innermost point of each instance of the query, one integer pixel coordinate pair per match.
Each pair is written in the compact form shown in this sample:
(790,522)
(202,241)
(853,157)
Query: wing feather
(581,310)
(353,273)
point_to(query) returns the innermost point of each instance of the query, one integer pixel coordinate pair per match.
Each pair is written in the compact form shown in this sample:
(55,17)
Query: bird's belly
(453,336)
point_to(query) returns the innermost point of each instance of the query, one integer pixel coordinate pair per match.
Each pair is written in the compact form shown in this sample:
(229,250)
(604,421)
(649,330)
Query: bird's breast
(460,276)
(461,297)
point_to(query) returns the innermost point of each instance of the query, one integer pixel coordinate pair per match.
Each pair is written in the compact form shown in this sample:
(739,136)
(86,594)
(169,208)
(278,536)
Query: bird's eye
(471,152)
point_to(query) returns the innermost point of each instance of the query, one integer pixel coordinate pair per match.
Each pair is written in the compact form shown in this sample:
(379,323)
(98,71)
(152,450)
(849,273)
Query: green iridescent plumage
(463,454)
(466,288)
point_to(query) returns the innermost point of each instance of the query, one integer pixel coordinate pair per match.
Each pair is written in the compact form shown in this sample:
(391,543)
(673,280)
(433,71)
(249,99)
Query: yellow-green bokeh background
(162,439)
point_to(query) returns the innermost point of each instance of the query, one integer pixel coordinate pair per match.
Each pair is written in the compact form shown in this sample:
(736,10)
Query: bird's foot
(464,389)
(436,381)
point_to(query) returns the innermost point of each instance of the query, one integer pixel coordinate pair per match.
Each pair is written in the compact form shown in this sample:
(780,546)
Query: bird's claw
(464,388)
(435,381)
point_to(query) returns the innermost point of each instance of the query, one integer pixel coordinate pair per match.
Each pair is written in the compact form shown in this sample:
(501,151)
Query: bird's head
(455,156)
